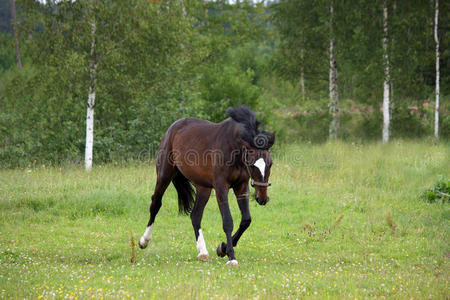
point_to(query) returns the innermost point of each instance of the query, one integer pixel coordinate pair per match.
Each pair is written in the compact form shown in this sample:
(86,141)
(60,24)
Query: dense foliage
(440,192)
(162,60)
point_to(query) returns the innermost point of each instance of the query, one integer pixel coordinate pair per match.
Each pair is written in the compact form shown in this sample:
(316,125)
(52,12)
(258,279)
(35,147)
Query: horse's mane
(252,133)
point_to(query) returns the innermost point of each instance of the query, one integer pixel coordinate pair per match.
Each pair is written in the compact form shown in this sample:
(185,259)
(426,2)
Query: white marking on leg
(201,246)
(232,262)
(143,242)
(261,165)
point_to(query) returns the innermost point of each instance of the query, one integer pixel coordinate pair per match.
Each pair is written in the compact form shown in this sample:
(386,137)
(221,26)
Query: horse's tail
(185,193)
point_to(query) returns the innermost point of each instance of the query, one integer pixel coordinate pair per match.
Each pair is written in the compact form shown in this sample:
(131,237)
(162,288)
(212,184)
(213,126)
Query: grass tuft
(133,253)
(391,223)
(338,220)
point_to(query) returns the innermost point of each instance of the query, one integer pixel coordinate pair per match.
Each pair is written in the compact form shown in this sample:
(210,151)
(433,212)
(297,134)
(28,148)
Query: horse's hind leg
(196,218)
(164,177)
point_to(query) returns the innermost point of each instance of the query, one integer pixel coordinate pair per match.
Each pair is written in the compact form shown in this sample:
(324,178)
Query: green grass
(344,221)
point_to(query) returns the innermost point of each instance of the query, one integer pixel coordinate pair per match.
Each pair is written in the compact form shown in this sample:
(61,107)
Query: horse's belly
(199,175)
(193,151)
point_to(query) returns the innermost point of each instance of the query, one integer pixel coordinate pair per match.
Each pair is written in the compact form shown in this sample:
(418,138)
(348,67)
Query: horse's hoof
(222,250)
(203,256)
(142,243)
(232,262)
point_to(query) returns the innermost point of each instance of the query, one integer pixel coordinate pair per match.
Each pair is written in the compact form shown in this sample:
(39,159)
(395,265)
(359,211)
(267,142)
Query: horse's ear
(270,138)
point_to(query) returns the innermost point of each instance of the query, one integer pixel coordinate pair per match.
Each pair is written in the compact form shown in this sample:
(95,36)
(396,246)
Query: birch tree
(436,39)
(304,52)
(14,29)
(333,83)
(392,77)
(302,70)
(386,105)
(93,64)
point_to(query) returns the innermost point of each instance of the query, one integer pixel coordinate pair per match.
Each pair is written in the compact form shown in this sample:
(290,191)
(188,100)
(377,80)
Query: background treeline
(157,61)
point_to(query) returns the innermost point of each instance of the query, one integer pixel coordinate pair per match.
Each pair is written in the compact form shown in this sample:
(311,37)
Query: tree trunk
(16,40)
(386,113)
(91,102)
(302,74)
(333,82)
(436,39)
(391,97)
(391,78)
(183,8)
(206,12)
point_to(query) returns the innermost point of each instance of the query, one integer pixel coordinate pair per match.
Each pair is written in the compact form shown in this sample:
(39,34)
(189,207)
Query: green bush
(439,193)
(444,119)
(408,122)
(7,58)
(224,86)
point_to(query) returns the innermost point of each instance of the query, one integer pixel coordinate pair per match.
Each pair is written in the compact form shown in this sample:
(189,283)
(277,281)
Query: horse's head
(258,162)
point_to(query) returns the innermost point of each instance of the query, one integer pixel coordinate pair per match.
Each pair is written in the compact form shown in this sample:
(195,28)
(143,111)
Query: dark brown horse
(213,155)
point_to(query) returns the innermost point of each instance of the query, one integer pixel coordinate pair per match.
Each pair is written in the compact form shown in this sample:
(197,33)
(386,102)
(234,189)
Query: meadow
(344,221)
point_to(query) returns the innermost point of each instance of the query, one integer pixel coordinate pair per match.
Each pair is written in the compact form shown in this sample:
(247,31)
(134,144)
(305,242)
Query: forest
(312,70)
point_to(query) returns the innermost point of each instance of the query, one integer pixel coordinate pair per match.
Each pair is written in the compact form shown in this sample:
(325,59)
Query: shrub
(439,193)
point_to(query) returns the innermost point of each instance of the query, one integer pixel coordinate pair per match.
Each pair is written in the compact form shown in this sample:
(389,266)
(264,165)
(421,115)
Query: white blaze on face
(261,165)
(201,246)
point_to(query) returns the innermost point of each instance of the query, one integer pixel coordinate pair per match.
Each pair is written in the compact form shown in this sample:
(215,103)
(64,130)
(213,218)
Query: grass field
(344,221)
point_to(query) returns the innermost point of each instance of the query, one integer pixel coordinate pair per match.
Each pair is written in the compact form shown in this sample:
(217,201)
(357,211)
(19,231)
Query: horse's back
(191,133)
(188,144)
(186,124)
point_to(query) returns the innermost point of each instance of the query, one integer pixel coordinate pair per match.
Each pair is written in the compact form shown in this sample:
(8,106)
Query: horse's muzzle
(262,201)
(260,184)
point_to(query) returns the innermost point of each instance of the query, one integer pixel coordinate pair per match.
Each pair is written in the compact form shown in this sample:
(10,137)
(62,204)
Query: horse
(219,156)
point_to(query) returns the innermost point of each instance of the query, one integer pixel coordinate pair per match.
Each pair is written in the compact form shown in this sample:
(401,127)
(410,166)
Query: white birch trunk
(333,83)
(391,79)
(386,106)
(436,39)
(91,103)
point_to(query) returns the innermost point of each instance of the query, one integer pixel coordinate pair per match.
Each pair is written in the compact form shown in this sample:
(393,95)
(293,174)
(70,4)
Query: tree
(93,65)
(333,82)
(149,45)
(302,55)
(14,29)
(228,34)
(302,73)
(137,60)
(386,104)
(436,39)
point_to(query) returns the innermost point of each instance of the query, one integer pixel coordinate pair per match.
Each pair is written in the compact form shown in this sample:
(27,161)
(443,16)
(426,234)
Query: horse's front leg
(246,219)
(227,221)
(241,193)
